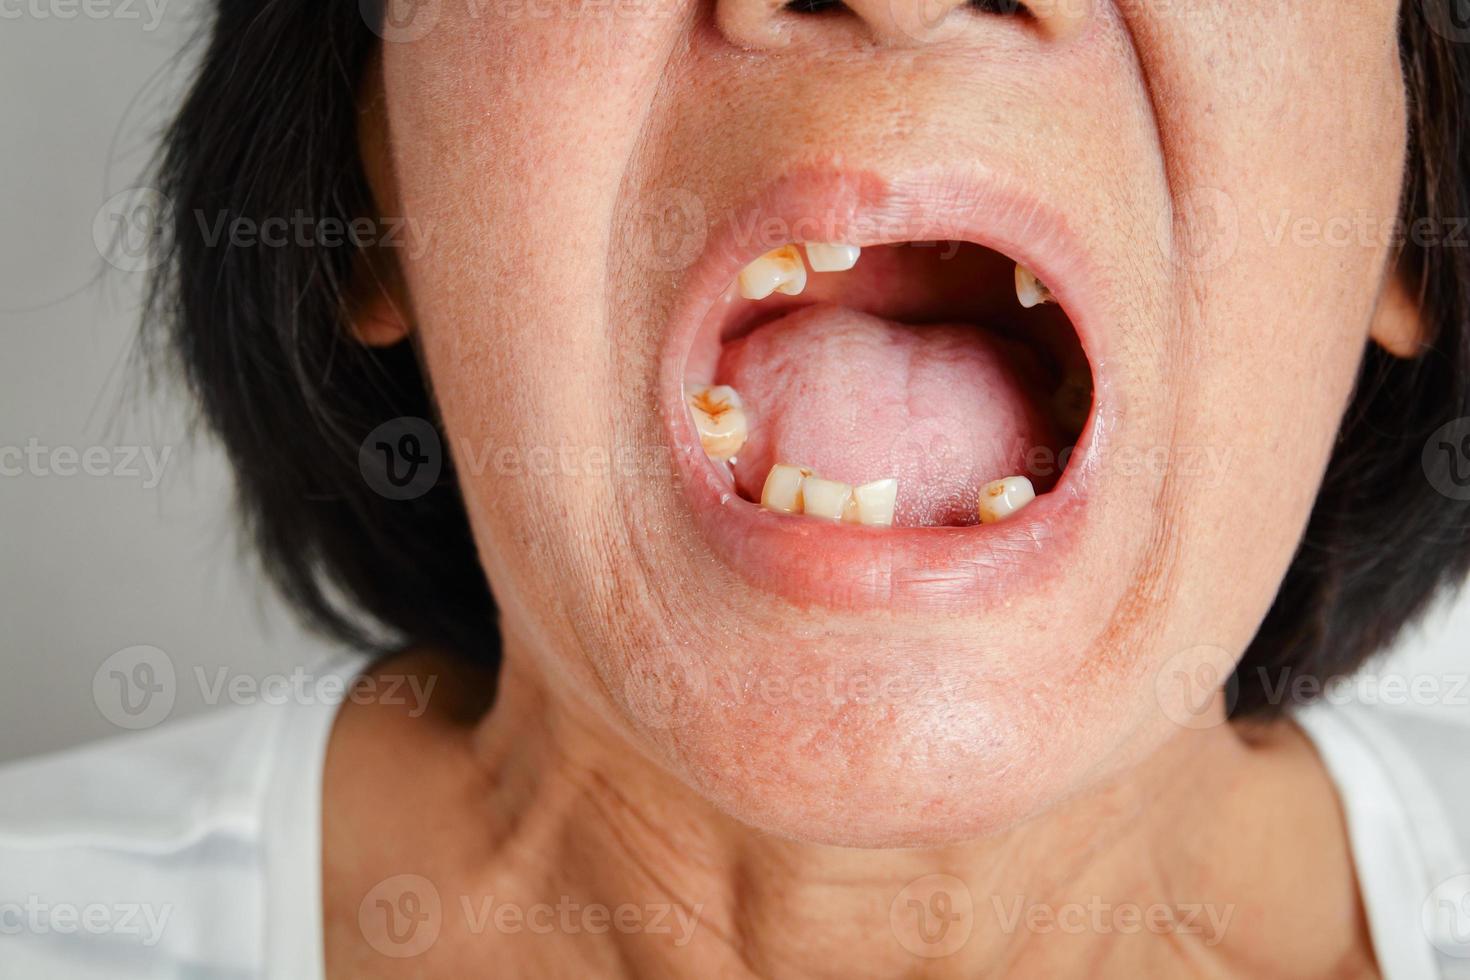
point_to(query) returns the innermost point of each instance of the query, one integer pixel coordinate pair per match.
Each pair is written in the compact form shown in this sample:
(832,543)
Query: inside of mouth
(917,364)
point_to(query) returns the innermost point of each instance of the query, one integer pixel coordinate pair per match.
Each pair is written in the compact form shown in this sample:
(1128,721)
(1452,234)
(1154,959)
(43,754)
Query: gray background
(92,566)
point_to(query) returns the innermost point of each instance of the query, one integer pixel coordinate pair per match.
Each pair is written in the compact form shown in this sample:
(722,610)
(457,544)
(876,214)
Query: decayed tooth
(783,489)
(779,270)
(719,418)
(1002,498)
(1030,290)
(872,503)
(825,498)
(831,258)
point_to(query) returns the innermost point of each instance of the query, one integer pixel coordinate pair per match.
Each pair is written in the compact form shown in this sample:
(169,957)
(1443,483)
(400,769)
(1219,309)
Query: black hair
(269,129)
(261,335)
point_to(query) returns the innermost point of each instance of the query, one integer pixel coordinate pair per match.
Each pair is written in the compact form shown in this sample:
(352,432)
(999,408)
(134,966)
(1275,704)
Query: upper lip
(861,567)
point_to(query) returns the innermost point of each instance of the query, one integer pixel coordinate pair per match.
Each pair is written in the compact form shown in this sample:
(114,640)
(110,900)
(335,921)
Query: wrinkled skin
(1029,750)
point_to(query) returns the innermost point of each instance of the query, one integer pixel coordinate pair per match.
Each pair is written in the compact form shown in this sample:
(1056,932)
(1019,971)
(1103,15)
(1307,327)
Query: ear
(377,302)
(1398,322)
(378,310)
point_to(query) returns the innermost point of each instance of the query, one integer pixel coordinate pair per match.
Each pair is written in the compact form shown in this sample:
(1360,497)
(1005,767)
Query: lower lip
(812,562)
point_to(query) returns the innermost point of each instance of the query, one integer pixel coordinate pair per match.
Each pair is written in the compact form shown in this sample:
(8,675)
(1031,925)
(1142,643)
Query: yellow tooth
(780,270)
(825,498)
(719,417)
(1002,498)
(783,490)
(831,258)
(872,503)
(1030,290)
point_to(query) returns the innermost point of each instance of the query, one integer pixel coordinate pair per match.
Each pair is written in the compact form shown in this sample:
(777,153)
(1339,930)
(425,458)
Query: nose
(772,24)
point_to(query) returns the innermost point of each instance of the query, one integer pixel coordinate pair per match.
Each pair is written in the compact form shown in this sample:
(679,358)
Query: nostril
(998,6)
(813,6)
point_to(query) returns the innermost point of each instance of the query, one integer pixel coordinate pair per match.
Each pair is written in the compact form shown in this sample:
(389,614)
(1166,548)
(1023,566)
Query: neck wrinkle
(589,817)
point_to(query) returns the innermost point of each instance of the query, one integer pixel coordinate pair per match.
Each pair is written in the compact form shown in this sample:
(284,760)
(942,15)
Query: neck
(1179,862)
(555,844)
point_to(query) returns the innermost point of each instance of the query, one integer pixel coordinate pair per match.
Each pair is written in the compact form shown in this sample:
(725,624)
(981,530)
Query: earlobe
(1398,322)
(378,313)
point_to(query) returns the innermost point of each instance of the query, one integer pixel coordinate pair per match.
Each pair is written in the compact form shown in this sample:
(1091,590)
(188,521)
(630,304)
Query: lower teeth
(796,490)
(1002,498)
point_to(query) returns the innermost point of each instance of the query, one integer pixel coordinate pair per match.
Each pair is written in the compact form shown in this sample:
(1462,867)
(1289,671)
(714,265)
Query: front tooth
(779,270)
(719,417)
(1002,498)
(873,503)
(825,498)
(1030,290)
(783,489)
(831,258)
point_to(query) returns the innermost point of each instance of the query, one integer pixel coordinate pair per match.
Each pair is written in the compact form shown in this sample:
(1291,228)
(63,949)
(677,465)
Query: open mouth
(872,401)
(908,384)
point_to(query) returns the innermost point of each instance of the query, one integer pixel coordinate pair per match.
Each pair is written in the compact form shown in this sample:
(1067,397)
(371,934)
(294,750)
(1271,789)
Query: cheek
(509,132)
(1286,163)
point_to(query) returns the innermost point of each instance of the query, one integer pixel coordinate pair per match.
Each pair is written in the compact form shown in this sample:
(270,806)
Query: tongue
(944,408)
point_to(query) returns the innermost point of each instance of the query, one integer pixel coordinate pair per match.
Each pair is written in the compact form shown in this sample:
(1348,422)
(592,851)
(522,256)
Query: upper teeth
(719,417)
(831,258)
(1030,290)
(781,270)
(795,490)
(1002,498)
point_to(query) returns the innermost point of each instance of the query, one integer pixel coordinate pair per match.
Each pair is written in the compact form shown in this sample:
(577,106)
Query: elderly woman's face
(1208,189)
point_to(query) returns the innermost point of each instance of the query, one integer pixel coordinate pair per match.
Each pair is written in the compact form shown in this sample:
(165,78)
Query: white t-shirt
(194,850)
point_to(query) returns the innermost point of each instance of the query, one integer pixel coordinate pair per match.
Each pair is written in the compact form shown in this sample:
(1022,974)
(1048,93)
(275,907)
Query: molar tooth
(1000,499)
(831,258)
(719,417)
(872,503)
(779,270)
(783,490)
(825,498)
(1030,290)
